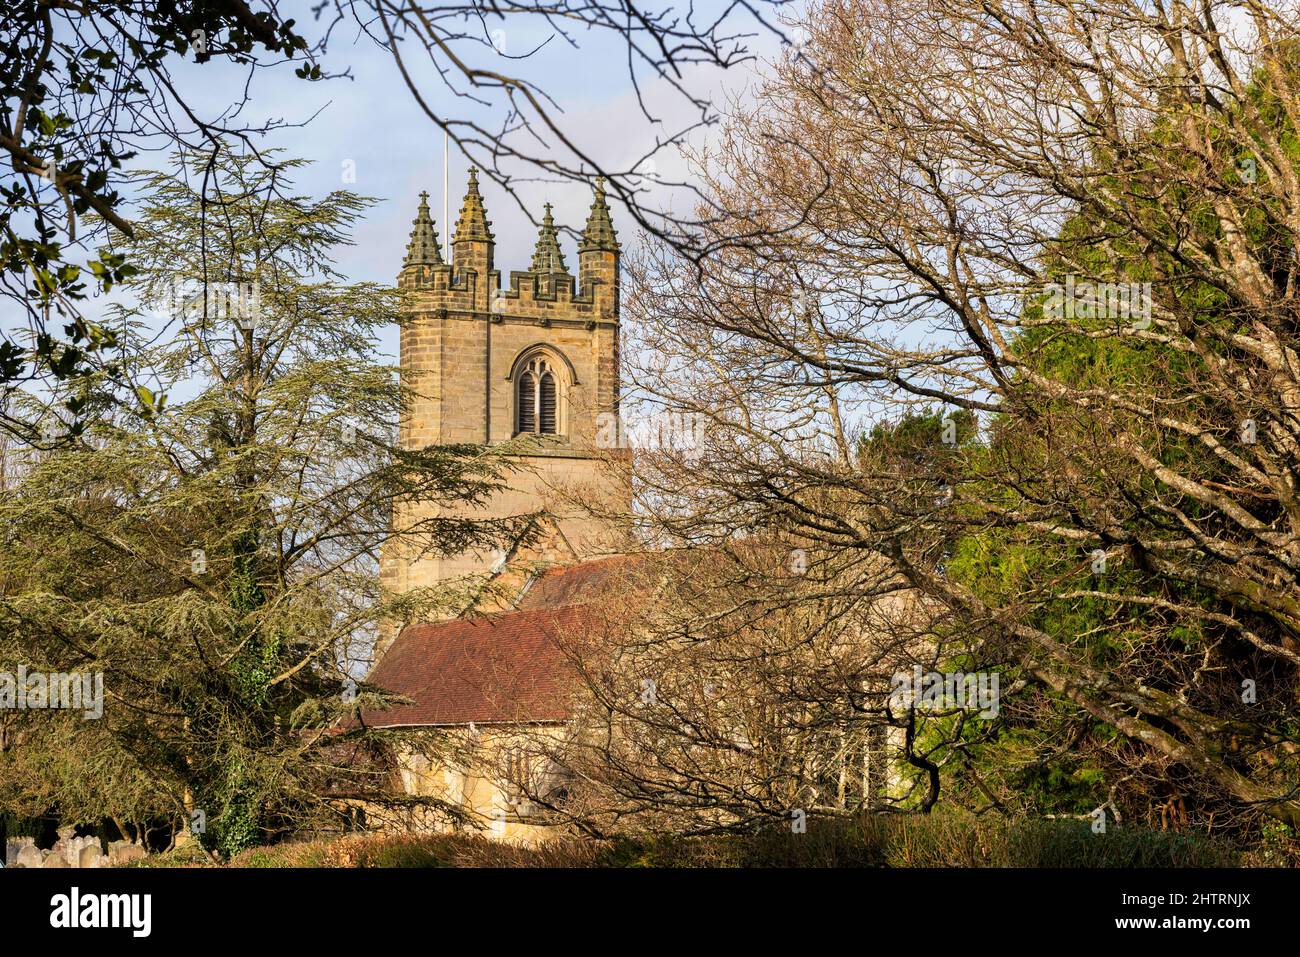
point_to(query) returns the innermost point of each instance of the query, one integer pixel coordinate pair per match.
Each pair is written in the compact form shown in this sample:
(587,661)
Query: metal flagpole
(446,209)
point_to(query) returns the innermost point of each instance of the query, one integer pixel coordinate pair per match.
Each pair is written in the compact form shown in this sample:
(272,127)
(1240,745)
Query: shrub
(947,839)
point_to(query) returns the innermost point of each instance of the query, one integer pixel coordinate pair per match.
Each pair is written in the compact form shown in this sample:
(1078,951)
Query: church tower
(534,364)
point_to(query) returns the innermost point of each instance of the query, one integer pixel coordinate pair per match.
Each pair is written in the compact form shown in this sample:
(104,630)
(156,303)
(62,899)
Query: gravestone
(91,857)
(30,856)
(120,852)
(13,846)
(79,844)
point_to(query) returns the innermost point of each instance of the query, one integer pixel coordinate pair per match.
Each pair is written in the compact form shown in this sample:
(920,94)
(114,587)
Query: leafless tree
(89,86)
(504,114)
(1005,299)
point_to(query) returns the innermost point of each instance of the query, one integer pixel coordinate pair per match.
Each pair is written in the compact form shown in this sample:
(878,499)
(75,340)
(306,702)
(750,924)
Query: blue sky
(371,124)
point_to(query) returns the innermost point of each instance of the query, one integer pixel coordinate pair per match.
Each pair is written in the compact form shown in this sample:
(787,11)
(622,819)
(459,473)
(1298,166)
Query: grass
(939,840)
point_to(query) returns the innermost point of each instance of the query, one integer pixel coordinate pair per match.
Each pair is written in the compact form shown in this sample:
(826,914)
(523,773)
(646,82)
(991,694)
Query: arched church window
(537,399)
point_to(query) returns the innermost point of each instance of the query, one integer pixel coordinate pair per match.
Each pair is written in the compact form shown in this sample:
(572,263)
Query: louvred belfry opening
(527,402)
(537,399)
(547,405)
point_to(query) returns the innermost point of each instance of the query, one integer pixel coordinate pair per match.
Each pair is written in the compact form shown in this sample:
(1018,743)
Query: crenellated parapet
(543,294)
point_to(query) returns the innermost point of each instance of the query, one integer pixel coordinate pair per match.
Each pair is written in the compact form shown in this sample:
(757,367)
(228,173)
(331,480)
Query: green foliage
(1048,580)
(937,840)
(215,555)
(77,83)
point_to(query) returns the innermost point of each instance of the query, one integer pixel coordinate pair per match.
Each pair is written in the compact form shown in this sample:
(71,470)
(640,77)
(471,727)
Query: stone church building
(534,359)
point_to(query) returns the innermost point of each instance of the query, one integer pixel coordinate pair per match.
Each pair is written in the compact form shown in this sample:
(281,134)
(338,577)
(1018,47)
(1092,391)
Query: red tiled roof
(584,583)
(503,667)
(499,668)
